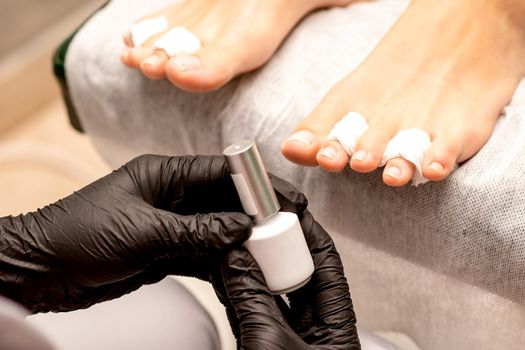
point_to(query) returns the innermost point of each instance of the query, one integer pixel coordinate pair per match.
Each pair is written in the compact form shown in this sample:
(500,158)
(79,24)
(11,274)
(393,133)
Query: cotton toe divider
(143,30)
(410,144)
(176,41)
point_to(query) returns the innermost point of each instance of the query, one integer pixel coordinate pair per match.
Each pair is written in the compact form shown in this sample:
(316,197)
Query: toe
(304,144)
(441,158)
(332,157)
(153,66)
(136,55)
(207,70)
(125,57)
(370,149)
(127,40)
(302,147)
(398,172)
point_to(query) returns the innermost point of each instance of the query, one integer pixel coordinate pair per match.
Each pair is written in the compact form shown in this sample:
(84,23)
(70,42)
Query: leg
(235,34)
(451,78)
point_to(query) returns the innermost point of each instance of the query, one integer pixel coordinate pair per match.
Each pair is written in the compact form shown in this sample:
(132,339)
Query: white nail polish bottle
(277,242)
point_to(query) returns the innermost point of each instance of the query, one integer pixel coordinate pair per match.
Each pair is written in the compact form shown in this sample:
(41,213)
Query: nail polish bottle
(277,241)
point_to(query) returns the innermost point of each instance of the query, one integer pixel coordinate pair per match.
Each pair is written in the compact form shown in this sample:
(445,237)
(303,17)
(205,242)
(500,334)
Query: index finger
(186,184)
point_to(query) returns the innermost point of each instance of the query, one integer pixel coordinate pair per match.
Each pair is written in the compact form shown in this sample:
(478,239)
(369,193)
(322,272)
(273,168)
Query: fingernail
(187,63)
(304,137)
(151,61)
(328,152)
(360,155)
(437,167)
(393,171)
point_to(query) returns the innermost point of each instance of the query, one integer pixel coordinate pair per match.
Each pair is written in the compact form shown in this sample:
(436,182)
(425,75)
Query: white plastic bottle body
(279,247)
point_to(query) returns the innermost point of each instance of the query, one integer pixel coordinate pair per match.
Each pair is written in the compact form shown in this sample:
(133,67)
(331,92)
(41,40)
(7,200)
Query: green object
(59,69)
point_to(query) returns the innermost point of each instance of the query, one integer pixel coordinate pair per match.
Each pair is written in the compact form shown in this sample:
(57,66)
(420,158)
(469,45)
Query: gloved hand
(320,315)
(152,217)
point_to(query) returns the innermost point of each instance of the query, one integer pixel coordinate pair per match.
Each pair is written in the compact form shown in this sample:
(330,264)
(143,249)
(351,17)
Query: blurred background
(41,157)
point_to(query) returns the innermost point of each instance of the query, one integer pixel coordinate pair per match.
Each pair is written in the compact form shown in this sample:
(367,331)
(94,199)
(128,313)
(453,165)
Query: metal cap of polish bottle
(251,180)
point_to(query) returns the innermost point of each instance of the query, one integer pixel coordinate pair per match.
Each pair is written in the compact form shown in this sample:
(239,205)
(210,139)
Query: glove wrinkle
(121,232)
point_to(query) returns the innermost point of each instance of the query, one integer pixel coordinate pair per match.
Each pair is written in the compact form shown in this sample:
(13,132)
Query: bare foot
(237,36)
(446,67)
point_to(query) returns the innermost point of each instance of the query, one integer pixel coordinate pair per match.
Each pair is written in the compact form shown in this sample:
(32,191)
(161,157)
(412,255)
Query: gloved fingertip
(234,227)
(241,225)
(290,198)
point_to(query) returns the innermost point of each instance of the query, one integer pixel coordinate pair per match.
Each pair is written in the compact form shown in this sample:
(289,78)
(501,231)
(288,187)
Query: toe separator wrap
(410,144)
(178,41)
(348,131)
(143,30)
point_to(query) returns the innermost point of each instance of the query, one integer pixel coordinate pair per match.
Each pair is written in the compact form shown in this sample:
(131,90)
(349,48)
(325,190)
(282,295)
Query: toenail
(151,61)
(436,166)
(187,63)
(328,152)
(304,137)
(360,155)
(393,171)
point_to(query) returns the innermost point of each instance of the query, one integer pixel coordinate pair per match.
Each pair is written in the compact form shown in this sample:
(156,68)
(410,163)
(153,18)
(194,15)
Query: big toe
(207,70)
(310,135)
(302,147)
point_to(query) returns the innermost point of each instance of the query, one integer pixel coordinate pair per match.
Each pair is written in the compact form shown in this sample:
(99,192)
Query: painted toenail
(393,171)
(328,152)
(151,61)
(187,63)
(360,155)
(438,167)
(304,137)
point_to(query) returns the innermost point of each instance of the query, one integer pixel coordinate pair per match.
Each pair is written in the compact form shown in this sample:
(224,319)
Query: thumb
(204,233)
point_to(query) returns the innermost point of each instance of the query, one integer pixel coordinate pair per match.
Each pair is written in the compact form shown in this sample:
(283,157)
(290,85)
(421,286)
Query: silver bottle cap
(251,180)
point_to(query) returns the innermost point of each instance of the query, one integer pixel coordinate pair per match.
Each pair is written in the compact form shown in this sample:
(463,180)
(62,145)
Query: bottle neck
(266,219)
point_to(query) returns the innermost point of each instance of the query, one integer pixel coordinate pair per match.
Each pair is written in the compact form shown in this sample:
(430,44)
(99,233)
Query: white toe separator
(178,41)
(411,145)
(145,29)
(408,144)
(348,130)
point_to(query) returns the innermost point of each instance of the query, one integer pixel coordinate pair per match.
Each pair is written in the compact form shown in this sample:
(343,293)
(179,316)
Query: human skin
(446,67)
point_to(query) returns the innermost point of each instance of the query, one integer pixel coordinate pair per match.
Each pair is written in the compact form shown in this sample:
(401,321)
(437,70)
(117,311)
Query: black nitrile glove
(320,315)
(154,216)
